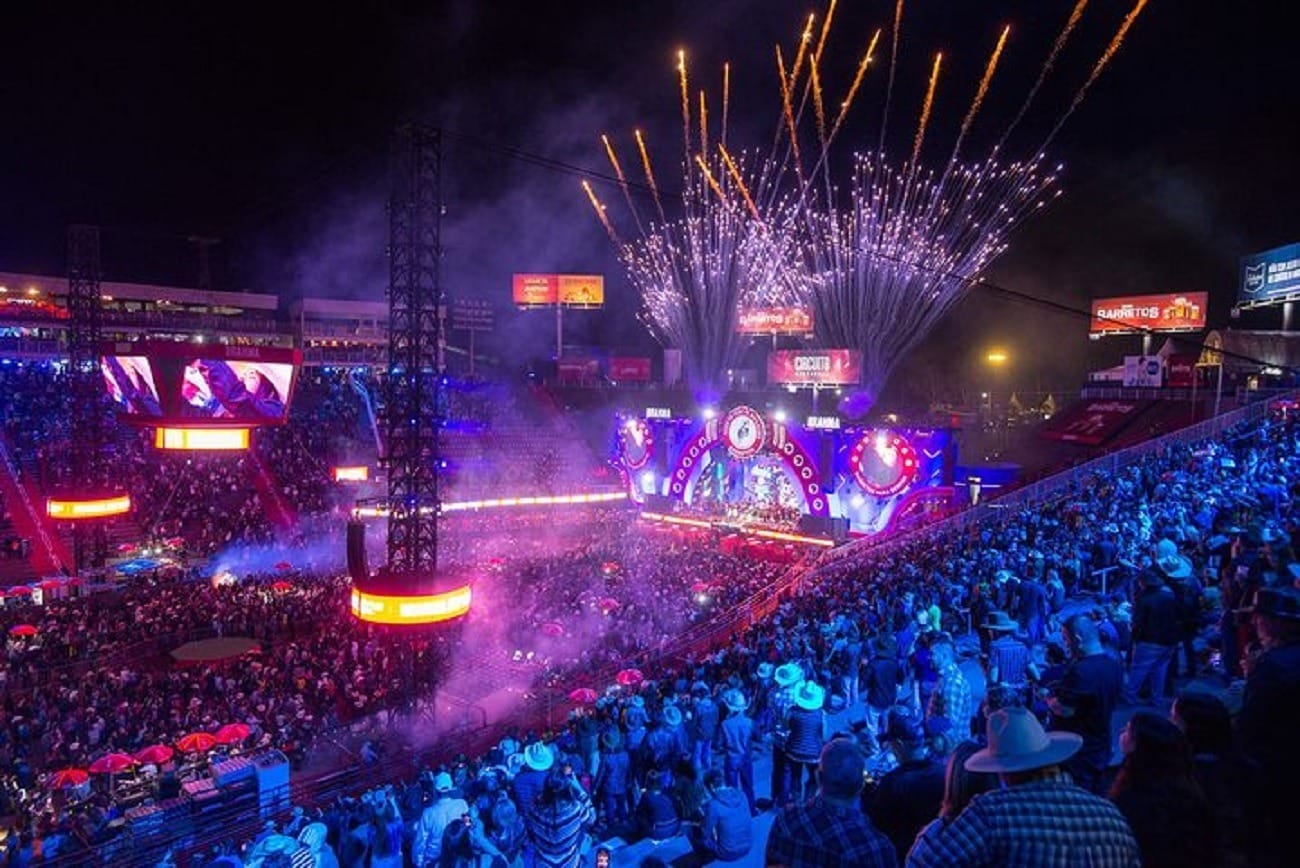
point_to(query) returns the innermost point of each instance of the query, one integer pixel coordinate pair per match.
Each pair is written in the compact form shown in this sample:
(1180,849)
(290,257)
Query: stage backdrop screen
(1168,312)
(1270,277)
(195,385)
(814,367)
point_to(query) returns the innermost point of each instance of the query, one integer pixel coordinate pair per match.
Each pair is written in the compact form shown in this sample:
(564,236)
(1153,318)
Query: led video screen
(192,385)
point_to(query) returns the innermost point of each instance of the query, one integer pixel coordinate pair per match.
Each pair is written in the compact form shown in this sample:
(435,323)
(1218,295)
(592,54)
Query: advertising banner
(775,321)
(1270,277)
(581,290)
(629,368)
(1167,312)
(1093,422)
(571,369)
(1180,370)
(536,290)
(814,367)
(1143,372)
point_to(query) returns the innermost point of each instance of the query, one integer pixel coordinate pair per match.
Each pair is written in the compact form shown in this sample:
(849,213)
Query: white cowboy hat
(810,696)
(1017,743)
(1170,562)
(538,757)
(734,700)
(788,674)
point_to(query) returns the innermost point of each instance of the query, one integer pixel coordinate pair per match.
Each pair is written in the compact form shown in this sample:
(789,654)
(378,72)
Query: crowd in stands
(1016,770)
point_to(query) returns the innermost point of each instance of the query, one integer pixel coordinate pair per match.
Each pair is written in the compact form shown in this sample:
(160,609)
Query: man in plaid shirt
(1039,819)
(830,831)
(951,697)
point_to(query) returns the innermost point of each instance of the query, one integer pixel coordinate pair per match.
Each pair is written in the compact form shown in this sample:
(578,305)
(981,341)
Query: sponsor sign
(1167,312)
(629,368)
(658,413)
(1143,372)
(1180,370)
(814,367)
(582,290)
(1270,277)
(775,321)
(536,290)
(578,369)
(824,423)
(1093,422)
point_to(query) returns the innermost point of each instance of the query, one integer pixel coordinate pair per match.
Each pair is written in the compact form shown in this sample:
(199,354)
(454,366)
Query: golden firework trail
(1059,45)
(726,99)
(925,109)
(649,173)
(817,101)
(704,125)
(857,82)
(893,66)
(600,211)
(734,171)
(787,107)
(804,40)
(708,176)
(1114,46)
(826,29)
(622,179)
(686,100)
(981,92)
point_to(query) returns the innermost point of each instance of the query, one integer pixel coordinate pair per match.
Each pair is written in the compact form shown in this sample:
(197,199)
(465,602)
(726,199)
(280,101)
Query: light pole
(999,360)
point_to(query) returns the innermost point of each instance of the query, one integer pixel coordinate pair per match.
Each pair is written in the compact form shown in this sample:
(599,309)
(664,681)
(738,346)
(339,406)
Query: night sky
(266,126)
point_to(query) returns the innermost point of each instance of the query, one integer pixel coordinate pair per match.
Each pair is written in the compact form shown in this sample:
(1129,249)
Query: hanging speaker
(356,539)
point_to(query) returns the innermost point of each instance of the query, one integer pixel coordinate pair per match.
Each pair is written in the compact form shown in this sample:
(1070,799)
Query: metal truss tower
(87,410)
(416,308)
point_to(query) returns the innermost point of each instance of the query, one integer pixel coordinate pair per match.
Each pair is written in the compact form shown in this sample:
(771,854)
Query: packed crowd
(1018,770)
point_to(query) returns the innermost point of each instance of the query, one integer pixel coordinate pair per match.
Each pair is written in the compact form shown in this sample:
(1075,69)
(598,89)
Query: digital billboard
(570,290)
(194,384)
(814,367)
(1270,277)
(1132,314)
(775,321)
(622,368)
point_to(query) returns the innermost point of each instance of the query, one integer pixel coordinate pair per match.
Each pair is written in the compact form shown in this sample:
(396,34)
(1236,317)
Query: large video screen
(188,384)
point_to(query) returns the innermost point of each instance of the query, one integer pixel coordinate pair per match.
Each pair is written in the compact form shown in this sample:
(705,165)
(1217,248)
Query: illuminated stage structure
(757,472)
(92,500)
(409,588)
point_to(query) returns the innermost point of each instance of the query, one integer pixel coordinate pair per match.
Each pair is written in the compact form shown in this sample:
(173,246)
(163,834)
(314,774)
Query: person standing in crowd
(780,700)
(908,796)
(830,831)
(738,746)
(952,696)
(703,727)
(1179,576)
(883,678)
(1216,764)
(806,723)
(528,784)
(727,833)
(1033,609)
(1038,819)
(447,807)
(1266,724)
(611,783)
(558,822)
(1083,701)
(1155,633)
(1008,656)
(1158,795)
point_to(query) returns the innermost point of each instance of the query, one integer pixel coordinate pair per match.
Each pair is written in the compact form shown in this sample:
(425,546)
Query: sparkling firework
(880,259)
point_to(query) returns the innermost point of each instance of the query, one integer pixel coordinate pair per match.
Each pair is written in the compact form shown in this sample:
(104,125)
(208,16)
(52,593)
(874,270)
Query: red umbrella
(49,584)
(112,764)
(284,565)
(280,586)
(68,778)
(584,695)
(629,677)
(196,742)
(19,590)
(23,630)
(609,604)
(124,548)
(700,588)
(232,733)
(154,754)
(550,628)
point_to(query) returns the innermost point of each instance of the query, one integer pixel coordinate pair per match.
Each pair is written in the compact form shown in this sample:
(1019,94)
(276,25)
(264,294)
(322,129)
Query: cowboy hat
(735,701)
(1277,603)
(809,696)
(1169,561)
(611,739)
(764,671)
(638,701)
(788,674)
(672,716)
(442,782)
(538,757)
(998,620)
(1017,743)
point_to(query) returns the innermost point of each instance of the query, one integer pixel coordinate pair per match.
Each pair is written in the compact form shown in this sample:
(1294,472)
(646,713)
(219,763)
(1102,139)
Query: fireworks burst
(880,262)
